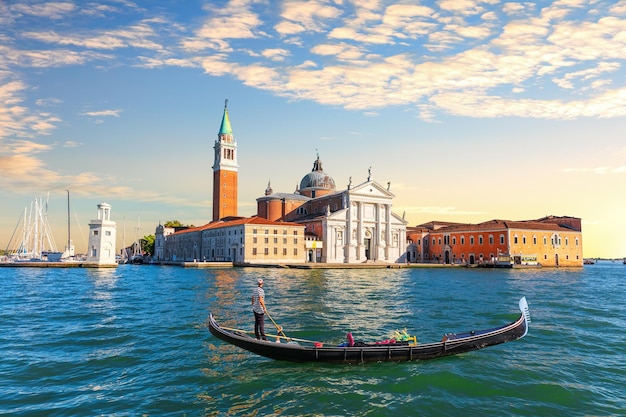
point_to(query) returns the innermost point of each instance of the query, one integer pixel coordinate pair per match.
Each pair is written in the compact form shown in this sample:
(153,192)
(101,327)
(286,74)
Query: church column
(379,236)
(360,249)
(388,231)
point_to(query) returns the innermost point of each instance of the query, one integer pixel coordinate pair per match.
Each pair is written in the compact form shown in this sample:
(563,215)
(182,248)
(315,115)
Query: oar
(280,329)
(295,339)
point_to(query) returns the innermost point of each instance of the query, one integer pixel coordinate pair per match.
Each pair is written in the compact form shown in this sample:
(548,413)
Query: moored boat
(311,351)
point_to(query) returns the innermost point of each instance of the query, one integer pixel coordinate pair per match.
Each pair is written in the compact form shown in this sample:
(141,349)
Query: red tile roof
(237,222)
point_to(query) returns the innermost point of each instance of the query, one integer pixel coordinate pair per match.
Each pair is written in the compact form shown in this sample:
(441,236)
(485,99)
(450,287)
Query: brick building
(549,241)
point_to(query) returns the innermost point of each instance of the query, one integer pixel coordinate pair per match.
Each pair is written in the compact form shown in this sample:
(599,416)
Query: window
(524,240)
(275,251)
(267,251)
(534,240)
(462,240)
(254,239)
(284,251)
(95,233)
(471,240)
(295,252)
(267,240)
(515,239)
(454,240)
(275,240)
(254,251)
(502,239)
(491,239)
(107,233)
(295,241)
(480,239)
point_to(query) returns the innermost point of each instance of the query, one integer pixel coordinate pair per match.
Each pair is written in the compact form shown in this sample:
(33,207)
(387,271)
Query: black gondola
(451,344)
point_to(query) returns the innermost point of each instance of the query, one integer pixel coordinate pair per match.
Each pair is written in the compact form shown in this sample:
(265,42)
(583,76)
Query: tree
(173,223)
(147,245)
(176,223)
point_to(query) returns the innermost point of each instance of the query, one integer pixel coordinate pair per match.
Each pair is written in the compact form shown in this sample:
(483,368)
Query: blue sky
(472,110)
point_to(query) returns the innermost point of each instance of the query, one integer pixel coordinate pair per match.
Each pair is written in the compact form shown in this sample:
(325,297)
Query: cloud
(275,54)
(235,20)
(135,36)
(50,10)
(467,57)
(22,171)
(494,76)
(306,15)
(17,120)
(567,81)
(42,58)
(103,113)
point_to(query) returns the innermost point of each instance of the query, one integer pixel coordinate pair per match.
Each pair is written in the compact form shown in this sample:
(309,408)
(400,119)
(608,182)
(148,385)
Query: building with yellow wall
(550,241)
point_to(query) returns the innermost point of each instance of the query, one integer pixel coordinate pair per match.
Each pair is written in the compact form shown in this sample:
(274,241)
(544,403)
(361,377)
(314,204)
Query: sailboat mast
(69,239)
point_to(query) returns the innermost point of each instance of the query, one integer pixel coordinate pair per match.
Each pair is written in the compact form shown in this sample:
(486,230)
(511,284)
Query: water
(132,341)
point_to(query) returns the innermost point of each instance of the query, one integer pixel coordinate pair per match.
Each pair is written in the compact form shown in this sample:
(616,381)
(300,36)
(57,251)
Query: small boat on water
(311,351)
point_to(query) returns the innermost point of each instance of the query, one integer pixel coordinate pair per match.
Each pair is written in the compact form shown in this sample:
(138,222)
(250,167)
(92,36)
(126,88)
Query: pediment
(371,189)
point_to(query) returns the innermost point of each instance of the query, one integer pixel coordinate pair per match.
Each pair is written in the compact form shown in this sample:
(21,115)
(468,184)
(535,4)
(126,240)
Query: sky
(471,110)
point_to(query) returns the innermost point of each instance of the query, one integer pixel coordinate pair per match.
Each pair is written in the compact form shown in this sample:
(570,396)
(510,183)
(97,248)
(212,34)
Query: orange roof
(503,224)
(237,222)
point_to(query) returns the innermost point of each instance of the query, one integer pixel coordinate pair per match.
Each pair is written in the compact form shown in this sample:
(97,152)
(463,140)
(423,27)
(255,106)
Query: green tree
(176,223)
(173,223)
(147,245)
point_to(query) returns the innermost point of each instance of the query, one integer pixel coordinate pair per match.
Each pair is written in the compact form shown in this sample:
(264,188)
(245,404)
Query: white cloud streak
(103,113)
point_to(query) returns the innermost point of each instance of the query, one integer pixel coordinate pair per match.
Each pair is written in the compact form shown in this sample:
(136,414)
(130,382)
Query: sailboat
(37,242)
(137,256)
(69,252)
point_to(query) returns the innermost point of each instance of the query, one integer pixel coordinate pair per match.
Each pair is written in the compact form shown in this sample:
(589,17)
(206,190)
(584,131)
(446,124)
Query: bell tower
(225,171)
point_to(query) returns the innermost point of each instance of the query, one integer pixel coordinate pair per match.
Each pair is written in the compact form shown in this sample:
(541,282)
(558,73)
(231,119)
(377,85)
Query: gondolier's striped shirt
(257,294)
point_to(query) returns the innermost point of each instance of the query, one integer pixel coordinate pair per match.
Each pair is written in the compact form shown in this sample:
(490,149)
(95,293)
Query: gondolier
(258,308)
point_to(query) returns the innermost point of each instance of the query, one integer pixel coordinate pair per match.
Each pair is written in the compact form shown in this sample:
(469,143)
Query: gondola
(451,344)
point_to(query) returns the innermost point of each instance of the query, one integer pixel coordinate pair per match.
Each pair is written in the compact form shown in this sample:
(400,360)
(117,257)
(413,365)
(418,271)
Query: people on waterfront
(258,308)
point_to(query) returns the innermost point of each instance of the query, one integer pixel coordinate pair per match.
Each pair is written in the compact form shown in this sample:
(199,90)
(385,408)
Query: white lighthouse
(101,249)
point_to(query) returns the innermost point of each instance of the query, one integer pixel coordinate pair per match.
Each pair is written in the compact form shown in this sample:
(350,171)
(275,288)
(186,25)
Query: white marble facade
(366,229)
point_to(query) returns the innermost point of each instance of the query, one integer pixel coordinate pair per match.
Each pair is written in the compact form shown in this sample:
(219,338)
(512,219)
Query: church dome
(317,179)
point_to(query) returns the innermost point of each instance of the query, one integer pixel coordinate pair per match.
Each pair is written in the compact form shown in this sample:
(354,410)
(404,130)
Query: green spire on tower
(225,128)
